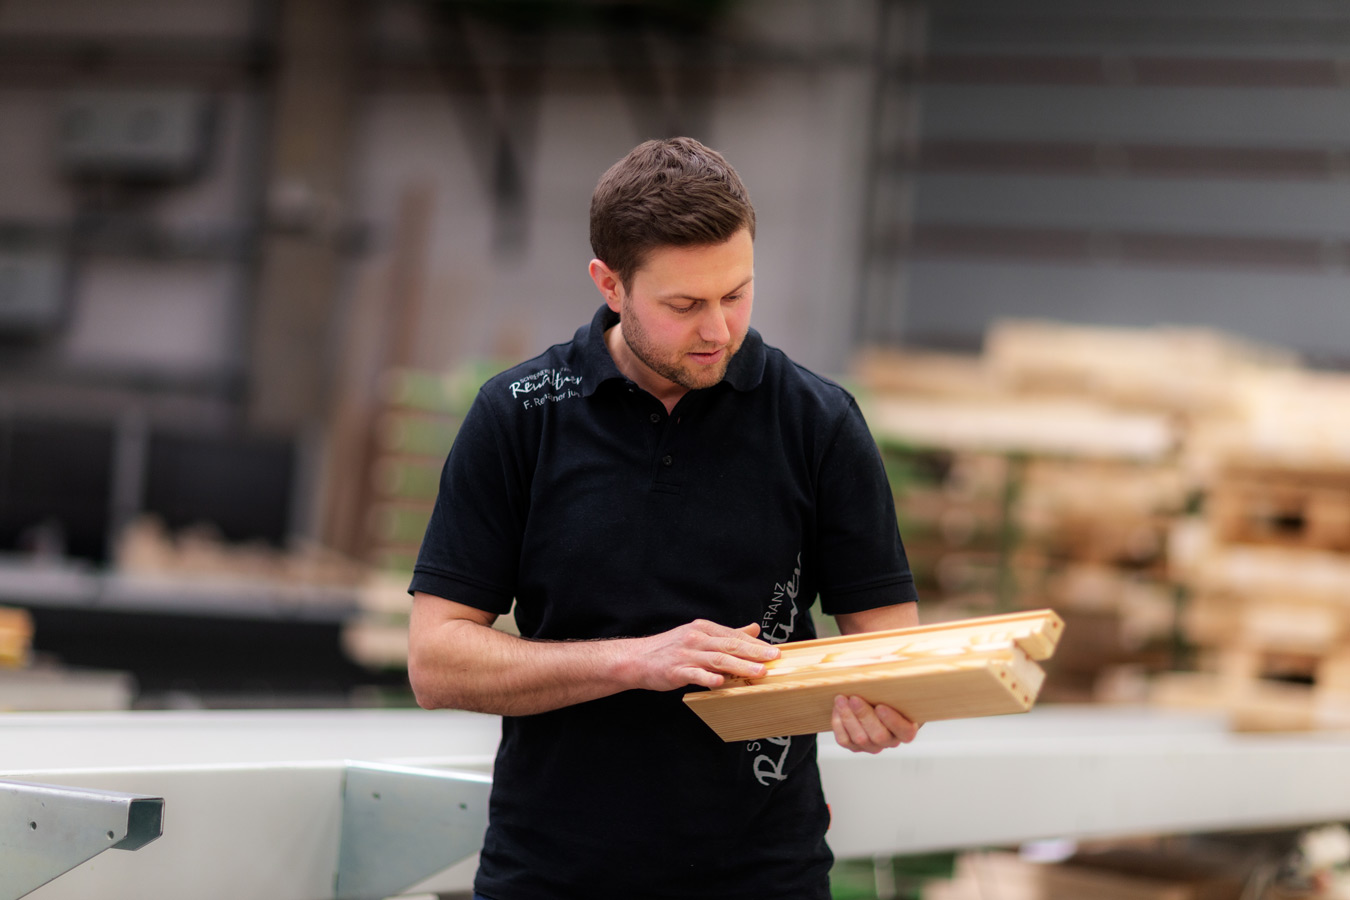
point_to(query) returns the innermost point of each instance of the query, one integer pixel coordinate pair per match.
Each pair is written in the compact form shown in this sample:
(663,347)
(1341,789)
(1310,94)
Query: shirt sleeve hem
(440,584)
(871,596)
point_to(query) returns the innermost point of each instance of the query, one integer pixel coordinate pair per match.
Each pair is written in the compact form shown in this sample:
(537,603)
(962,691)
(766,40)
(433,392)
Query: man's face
(687,311)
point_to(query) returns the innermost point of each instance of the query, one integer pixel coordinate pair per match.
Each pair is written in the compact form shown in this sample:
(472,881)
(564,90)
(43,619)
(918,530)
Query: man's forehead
(731,262)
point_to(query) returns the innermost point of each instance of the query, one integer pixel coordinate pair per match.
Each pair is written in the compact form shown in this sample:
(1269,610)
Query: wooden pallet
(1290,507)
(977,667)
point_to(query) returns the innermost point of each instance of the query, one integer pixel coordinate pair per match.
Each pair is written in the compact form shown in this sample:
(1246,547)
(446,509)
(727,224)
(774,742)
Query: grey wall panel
(1267,117)
(1253,209)
(1236,28)
(954,301)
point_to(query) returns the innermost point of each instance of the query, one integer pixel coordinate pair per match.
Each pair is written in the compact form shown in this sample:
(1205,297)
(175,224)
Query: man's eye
(684,309)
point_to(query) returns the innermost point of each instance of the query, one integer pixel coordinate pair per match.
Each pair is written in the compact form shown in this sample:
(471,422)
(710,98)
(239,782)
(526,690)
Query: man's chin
(701,378)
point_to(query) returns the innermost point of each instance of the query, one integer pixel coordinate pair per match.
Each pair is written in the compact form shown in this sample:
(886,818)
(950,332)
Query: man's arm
(859,726)
(457,660)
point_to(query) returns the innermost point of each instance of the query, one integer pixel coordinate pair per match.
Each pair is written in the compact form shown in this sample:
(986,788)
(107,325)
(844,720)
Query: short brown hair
(668,193)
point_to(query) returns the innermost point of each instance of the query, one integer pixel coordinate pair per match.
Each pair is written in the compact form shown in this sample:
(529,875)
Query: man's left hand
(863,728)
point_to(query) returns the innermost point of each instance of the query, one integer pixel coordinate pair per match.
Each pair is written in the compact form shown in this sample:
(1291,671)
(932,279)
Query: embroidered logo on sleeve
(546,386)
(777,625)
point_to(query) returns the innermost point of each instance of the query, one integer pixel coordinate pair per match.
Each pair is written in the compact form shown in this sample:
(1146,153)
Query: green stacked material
(449,393)
(407,479)
(416,434)
(422,413)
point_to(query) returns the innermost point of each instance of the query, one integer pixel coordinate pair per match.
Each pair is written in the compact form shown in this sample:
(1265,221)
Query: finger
(752,649)
(737,643)
(878,735)
(701,677)
(752,629)
(731,664)
(898,725)
(837,725)
(854,731)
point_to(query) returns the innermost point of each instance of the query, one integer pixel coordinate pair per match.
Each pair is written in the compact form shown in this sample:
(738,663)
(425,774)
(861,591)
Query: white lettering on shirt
(777,625)
(547,386)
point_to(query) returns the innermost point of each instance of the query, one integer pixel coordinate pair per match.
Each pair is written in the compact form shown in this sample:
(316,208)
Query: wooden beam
(979,667)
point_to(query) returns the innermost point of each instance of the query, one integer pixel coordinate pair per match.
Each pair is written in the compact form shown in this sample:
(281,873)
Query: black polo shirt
(572,491)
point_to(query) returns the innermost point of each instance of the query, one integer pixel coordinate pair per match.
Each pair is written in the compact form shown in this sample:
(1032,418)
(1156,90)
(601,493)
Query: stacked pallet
(1268,565)
(1092,537)
(1089,425)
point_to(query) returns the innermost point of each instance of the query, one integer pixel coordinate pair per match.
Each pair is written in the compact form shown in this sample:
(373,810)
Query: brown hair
(669,193)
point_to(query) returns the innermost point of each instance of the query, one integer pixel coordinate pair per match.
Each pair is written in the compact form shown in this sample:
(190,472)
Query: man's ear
(608,283)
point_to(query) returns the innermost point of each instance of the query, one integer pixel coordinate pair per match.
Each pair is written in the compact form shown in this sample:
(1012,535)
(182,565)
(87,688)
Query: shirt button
(667,460)
(656,418)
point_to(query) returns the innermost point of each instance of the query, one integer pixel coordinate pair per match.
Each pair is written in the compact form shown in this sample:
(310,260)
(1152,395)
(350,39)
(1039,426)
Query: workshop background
(1085,264)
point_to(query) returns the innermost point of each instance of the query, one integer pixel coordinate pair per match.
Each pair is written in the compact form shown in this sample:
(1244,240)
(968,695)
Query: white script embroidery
(551,385)
(775,630)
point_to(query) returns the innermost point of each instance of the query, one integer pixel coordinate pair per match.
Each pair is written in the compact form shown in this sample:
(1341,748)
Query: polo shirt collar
(745,372)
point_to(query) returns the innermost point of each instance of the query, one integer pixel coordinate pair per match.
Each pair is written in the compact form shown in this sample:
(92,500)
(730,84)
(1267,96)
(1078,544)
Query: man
(663,497)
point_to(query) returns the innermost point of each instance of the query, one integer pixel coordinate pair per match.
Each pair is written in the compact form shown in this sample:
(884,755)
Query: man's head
(668,193)
(673,233)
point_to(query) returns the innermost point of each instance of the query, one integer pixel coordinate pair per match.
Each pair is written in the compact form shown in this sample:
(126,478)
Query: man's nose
(714,328)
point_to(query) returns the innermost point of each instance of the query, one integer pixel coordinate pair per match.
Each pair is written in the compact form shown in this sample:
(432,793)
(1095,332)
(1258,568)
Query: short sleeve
(471,550)
(862,559)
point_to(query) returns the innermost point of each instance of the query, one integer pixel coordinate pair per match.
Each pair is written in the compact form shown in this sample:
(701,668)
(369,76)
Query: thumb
(752,629)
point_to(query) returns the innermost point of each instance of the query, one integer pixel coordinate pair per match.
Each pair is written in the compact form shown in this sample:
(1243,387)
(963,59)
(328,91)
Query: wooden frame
(976,667)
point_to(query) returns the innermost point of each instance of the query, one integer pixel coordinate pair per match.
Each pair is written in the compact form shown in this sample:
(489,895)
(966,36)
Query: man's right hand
(700,653)
(456,659)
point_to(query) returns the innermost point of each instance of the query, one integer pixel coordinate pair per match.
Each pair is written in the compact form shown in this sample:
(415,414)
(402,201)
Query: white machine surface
(254,806)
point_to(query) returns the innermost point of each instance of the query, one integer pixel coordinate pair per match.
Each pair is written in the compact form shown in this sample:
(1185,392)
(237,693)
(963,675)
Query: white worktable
(252,800)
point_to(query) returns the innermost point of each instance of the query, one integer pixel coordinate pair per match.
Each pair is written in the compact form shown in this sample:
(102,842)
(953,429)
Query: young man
(662,497)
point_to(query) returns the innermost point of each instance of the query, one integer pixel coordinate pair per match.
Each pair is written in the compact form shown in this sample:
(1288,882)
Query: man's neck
(660,387)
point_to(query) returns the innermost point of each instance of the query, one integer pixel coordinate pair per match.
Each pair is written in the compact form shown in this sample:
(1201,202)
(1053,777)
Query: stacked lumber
(978,667)
(951,513)
(1268,572)
(1267,560)
(1283,419)
(1118,874)
(145,547)
(1187,371)
(1091,425)
(16,637)
(1092,538)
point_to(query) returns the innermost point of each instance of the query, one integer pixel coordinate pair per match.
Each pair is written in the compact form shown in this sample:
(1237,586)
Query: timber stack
(1108,442)
(1267,563)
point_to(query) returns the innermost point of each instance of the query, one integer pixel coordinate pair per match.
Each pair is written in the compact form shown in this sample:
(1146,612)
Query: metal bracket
(46,830)
(401,825)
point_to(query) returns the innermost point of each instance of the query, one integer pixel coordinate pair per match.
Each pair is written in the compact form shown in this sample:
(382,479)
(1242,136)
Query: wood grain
(978,667)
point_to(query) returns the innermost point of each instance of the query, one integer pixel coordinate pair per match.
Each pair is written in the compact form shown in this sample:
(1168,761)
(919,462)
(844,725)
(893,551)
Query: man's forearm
(457,660)
(470,666)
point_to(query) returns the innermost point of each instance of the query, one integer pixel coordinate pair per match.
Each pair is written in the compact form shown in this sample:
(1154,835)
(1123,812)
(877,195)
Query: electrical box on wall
(32,292)
(158,136)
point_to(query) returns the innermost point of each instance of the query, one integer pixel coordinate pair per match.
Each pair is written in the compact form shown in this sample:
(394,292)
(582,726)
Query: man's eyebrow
(691,297)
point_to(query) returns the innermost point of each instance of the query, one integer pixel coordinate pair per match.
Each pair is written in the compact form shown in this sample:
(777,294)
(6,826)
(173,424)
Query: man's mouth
(708,357)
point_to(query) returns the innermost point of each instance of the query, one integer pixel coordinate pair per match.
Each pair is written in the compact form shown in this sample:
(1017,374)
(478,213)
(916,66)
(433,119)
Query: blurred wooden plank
(16,637)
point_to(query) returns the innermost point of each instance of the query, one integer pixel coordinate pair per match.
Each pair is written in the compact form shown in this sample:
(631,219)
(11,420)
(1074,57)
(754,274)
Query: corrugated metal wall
(1132,163)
